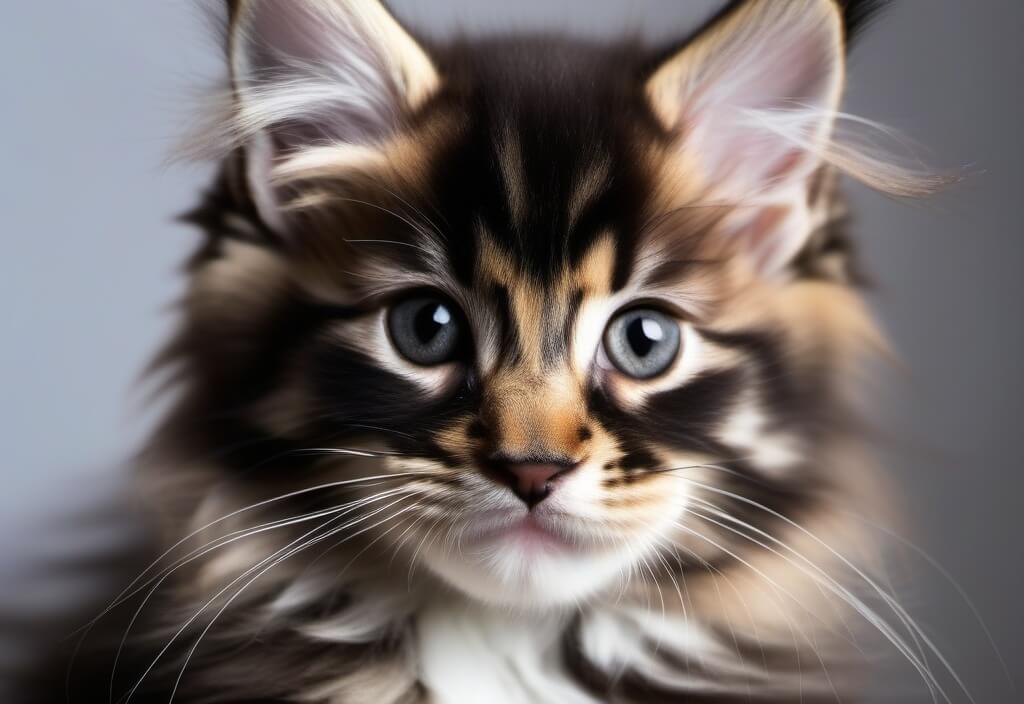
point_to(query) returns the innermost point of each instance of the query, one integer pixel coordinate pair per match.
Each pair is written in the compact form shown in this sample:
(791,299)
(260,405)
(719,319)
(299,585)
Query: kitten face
(493,303)
(551,282)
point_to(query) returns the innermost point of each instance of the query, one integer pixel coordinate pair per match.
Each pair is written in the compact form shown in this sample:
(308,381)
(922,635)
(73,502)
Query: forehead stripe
(511,350)
(562,342)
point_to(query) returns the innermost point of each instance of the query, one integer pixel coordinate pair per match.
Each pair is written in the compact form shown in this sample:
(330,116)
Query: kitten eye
(642,342)
(424,329)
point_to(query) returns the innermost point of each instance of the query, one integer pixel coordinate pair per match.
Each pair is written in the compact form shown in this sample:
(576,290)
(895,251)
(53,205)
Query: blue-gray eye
(642,342)
(425,329)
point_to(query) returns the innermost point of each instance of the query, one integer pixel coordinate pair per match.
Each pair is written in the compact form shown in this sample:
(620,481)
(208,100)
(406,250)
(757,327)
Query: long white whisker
(889,600)
(277,561)
(843,593)
(714,573)
(220,592)
(337,512)
(778,588)
(430,531)
(411,492)
(961,592)
(124,594)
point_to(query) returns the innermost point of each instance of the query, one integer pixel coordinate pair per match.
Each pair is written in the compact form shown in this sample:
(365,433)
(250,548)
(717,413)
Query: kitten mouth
(529,532)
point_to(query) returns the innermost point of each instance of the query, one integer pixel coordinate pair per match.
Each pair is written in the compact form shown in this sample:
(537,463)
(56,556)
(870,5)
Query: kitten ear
(753,100)
(314,72)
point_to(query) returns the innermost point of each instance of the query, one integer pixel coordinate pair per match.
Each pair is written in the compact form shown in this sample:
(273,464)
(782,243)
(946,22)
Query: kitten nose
(531,480)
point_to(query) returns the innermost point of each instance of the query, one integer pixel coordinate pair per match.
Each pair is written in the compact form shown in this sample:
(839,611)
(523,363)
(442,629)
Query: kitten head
(560,294)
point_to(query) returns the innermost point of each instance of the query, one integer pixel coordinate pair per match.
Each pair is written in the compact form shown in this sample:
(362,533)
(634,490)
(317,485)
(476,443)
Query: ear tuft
(762,61)
(858,16)
(754,103)
(753,100)
(310,73)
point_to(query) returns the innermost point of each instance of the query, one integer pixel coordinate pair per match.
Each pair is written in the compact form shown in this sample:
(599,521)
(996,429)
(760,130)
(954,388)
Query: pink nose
(531,481)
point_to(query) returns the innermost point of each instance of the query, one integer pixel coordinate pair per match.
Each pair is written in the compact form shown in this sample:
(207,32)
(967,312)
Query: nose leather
(533,478)
(532,481)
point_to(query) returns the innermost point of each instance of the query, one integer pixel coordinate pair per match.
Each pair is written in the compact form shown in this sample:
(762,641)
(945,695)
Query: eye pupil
(429,320)
(643,334)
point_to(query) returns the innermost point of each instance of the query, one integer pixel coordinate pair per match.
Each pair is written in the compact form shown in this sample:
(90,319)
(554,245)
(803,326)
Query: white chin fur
(514,570)
(507,573)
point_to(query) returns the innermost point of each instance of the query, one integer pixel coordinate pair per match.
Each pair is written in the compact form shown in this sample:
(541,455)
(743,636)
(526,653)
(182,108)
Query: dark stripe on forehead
(556,314)
(546,158)
(568,325)
(615,211)
(510,350)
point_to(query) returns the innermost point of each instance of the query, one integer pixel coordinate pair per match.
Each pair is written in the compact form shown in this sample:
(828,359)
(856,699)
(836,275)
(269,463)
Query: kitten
(515,370)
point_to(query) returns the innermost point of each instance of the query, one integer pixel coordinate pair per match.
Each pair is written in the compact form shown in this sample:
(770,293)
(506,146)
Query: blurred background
(96,96)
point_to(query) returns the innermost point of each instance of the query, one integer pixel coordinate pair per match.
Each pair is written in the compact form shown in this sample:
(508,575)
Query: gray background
(96,93)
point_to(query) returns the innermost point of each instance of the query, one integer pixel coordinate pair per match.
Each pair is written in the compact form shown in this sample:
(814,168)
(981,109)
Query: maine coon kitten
(516,370)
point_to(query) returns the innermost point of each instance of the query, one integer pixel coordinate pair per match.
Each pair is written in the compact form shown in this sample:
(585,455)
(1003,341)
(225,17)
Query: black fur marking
(797,400)
(569,323)
(857,17)
(357,395)
(631,686)
(682,418)
(476,429)
(576,104)
(511,350)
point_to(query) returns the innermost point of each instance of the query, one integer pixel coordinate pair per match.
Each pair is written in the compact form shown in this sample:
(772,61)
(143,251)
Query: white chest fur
(472,653)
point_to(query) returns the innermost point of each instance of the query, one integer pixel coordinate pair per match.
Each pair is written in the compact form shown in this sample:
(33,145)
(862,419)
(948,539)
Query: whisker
(913,629)
(944,573)
(777,587)
(299,492)
(213,545)
(405,536)
(347,451)
(890,601)
(413,562)
(276,562)
(286,551)
(130,590)
(714,573)
(411,492)
(830,583)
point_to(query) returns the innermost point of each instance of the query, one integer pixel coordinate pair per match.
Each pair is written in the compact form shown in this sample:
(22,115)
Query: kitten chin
(528,569)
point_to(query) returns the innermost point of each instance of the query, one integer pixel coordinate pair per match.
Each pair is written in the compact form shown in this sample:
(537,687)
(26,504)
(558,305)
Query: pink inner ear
(759,97)
(325,66)
(784,75)
(760,237)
